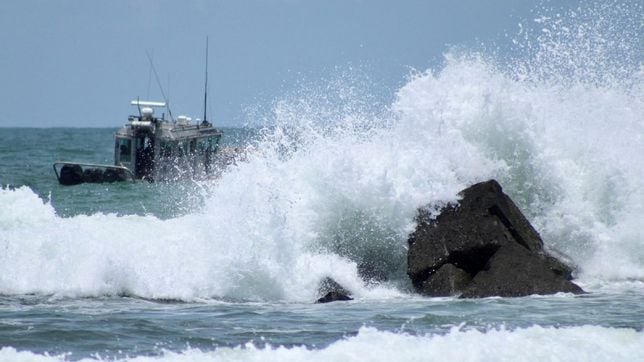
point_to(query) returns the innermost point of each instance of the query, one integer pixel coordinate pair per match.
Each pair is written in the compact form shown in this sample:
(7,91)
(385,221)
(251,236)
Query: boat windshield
(125,150)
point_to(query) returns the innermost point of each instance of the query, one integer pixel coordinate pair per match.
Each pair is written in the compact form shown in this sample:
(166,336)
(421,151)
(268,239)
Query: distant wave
(584,343)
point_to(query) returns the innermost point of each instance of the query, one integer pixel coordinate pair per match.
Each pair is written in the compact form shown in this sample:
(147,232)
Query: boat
(151,148)
(154,148)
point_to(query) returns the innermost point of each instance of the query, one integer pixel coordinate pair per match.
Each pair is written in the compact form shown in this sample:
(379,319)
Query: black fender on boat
(71,175)
(93,175)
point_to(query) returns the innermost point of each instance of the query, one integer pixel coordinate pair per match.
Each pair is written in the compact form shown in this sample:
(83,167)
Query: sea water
(227,269)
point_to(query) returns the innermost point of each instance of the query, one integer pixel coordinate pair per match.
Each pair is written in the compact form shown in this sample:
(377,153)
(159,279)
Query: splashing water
(332,187)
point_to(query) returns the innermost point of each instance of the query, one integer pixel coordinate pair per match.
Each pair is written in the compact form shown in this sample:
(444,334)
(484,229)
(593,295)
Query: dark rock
(330,285)
(447,280)
(332,291)
(468,236)
(333,297)
(515,271)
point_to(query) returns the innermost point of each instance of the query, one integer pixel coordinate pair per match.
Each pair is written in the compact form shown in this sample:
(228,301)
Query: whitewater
(334,182)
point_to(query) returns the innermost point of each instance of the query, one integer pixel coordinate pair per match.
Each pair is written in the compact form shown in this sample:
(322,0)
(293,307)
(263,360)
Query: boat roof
(169,130)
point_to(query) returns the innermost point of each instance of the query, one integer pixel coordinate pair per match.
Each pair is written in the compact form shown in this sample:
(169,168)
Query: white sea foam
(583,343)
(334,185)
(196,256)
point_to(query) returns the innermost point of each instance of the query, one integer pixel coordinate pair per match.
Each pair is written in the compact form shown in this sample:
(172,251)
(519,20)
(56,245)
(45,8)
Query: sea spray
(559,124)
(333,185)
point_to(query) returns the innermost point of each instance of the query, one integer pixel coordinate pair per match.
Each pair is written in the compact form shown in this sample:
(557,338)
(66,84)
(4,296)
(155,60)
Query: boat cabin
(160,149)
(153,149)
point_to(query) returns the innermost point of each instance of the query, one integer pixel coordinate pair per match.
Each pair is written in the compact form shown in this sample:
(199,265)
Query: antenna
(205,91)
(147,95)
(156,76)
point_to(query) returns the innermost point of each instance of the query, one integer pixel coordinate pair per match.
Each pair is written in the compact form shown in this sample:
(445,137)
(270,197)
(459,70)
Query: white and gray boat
(152,148)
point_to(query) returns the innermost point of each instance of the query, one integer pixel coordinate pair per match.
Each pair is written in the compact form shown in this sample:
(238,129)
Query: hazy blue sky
(80,62)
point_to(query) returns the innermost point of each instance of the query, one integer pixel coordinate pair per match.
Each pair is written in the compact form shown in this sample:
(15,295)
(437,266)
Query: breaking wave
(333,185)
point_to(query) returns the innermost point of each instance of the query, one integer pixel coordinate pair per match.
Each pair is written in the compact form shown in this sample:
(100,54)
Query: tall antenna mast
(205,91)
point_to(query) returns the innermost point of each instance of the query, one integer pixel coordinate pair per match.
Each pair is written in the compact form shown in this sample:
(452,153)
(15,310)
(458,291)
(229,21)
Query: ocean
(228,268)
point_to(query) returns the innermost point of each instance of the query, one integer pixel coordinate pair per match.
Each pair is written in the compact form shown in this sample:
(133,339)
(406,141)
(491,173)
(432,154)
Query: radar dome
(147,112)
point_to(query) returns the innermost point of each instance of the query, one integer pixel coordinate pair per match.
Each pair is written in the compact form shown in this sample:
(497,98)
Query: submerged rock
(333,297)
(332,291)
(483,246)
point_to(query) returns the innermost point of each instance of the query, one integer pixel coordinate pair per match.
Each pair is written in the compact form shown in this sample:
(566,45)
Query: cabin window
(125,150)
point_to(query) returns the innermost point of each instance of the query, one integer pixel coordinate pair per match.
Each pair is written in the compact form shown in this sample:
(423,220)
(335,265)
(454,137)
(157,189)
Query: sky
(78,63)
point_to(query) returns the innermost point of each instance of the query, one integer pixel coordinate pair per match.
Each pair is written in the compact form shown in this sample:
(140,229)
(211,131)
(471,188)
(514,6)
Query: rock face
(447,280)
(482,247)
(332,291)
